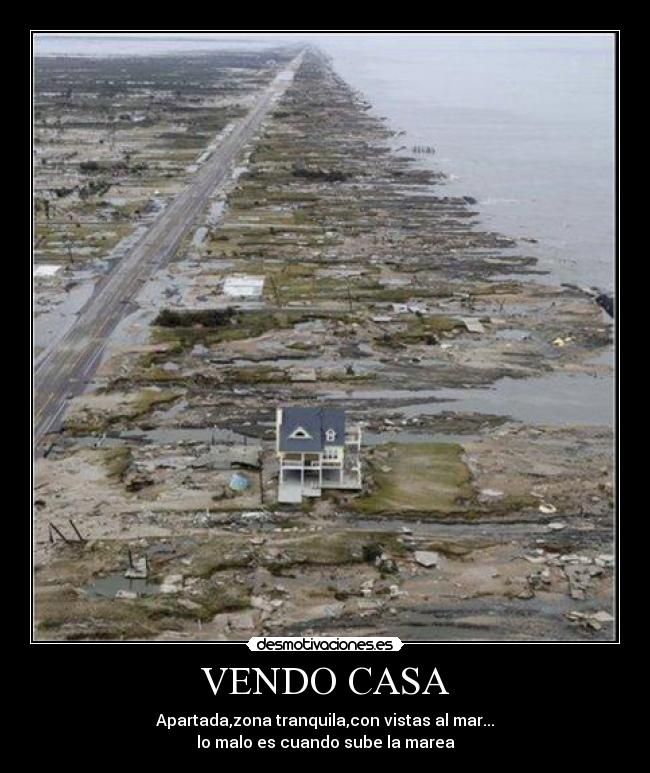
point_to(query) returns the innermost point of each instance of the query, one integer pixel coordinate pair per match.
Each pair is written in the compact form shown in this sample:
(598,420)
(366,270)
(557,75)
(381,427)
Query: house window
(300,433)
(330,436)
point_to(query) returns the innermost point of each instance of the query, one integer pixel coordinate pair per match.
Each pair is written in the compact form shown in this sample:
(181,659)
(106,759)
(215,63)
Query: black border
(616,266)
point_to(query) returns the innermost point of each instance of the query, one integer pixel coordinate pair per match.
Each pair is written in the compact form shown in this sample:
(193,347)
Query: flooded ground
(562,398)
(111,586)
(484,396)
(523,123)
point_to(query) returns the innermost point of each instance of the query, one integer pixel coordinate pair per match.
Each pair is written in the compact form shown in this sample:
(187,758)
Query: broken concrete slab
(241,621)
(427,558)
(302,374)
(579,578)
(172,583)
(473,325)
(43,269)
(126,594)
(243,286)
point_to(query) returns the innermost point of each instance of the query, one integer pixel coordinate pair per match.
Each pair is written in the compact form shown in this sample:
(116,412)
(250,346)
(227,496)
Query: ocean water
(140,44)
(523,123)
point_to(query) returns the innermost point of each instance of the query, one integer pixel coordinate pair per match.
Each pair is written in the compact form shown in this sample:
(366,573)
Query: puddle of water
(606,357)
(298,362)
(107,587)
(215,212)
(381,394)
(199,236)
(92,441)
(160,548)
(456,531)
(559,398)
(441,624)
(404,438)
(164,436)
(513,334)
(50,326)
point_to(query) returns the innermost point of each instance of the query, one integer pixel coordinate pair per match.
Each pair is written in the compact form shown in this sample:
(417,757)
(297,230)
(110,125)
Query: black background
(548,703)
(90,705)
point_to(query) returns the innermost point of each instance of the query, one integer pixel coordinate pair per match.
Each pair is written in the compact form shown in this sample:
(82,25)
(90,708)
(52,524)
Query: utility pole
(68,247)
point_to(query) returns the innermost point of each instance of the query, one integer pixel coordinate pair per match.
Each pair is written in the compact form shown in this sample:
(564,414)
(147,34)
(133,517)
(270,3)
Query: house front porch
(296,484)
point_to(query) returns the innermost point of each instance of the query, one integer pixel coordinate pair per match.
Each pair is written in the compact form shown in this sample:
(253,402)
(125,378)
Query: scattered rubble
(330,270)
(426,558)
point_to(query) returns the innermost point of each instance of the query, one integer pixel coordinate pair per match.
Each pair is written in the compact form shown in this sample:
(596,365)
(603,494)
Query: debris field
(332,269)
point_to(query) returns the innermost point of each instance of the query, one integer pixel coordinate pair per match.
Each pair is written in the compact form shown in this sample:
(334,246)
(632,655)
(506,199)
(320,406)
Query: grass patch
(455,549)
(337,549)
(117,461)
(210,318)
(219,554)
(419,478)
(239,326)
(64,611)
(64,614)
(421,330)
(91,419)
(263,374)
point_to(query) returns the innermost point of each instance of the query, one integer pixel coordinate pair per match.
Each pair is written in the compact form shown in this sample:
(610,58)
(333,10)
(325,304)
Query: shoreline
(469,148)
(383,283)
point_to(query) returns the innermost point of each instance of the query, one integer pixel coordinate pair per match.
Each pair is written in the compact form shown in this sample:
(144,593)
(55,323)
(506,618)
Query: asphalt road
(66,368)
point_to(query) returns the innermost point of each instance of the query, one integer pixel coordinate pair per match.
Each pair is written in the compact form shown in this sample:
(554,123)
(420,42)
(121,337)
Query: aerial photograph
(324,335)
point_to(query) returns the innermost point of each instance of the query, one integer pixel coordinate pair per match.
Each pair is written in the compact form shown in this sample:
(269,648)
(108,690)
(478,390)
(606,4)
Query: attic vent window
(330,436)
(300,433)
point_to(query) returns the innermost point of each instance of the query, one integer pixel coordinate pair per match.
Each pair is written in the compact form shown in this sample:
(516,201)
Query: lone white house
(316,451)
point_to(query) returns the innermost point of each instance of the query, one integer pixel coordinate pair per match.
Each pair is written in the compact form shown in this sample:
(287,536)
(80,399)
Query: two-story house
(316,451)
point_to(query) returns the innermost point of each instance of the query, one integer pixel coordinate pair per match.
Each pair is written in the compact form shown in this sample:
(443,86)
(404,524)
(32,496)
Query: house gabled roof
(309,428)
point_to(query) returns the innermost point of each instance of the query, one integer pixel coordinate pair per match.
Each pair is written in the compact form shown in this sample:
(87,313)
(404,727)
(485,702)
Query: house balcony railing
(326,464)
(353,436)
